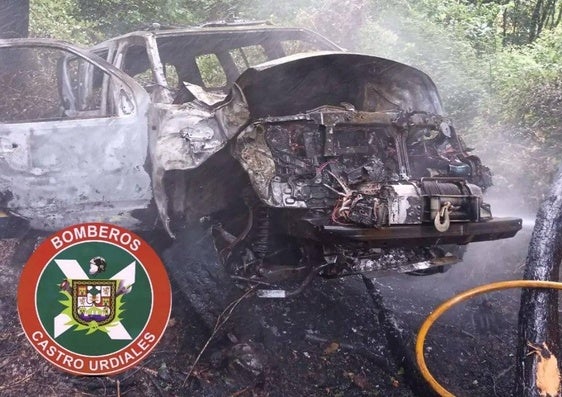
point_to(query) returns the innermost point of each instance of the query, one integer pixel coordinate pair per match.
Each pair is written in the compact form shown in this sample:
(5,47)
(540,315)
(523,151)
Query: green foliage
(527,20)
(57,19)
(211,73)
(527,80)
(488,23)
(278,12)
(118,16)
(475,23)
(452,63)
(87,22)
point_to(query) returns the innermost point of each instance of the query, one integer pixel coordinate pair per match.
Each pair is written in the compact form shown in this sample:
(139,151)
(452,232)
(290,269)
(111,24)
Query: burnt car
(266,152)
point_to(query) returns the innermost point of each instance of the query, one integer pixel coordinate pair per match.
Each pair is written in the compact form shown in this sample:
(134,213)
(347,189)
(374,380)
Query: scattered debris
(332,348)
(16,382)
(163,372)
(248,356)
(221,321)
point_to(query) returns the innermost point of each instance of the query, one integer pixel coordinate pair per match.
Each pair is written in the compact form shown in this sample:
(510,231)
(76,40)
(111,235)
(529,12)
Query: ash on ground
(324,342)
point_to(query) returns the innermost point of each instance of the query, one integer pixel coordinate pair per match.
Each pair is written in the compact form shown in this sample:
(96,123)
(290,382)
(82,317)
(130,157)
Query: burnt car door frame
(86,165)
(159,92)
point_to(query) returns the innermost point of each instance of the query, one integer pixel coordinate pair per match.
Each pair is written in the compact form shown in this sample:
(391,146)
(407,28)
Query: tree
(14,18)
(539,336)
(546,14)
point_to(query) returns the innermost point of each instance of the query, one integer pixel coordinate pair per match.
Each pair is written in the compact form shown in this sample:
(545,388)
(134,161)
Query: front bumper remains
(409,235)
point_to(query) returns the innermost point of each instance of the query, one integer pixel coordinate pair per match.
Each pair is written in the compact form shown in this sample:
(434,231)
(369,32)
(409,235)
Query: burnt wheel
(197,273)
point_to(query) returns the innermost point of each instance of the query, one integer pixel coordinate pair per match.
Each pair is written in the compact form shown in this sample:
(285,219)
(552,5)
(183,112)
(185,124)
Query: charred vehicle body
(287,153)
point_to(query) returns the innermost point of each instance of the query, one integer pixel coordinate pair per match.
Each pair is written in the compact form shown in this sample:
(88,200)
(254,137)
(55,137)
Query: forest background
(497,63)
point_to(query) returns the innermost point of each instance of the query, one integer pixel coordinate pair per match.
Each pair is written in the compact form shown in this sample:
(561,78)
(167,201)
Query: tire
(26,245)
(197,273)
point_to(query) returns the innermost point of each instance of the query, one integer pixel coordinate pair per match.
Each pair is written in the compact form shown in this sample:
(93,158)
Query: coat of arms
(93,300)
(93,304)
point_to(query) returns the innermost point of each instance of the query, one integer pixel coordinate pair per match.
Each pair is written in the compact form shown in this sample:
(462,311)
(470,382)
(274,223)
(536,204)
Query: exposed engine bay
(379,169)
(362,182)
(338,167)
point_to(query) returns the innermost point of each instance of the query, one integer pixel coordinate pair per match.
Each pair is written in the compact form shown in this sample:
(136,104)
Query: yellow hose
(501,285)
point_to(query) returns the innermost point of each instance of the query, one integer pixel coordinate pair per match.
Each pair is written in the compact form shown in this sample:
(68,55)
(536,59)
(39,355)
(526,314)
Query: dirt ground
(325,342)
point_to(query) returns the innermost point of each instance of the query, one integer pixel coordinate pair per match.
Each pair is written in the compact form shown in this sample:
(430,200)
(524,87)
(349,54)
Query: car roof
(217,30)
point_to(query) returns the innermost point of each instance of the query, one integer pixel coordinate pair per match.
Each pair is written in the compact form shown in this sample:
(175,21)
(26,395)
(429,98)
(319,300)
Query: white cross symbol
(72,270)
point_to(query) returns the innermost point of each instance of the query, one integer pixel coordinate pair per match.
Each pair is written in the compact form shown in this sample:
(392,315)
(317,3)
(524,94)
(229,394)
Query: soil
(325,342)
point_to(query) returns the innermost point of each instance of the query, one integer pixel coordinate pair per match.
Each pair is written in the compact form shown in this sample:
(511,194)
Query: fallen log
(538,350)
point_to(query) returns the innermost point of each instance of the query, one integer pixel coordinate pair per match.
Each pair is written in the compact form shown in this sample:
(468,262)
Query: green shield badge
(94,299)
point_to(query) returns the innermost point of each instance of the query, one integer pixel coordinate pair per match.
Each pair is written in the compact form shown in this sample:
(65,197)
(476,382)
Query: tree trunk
(535,20)
(14,18)
(538,313)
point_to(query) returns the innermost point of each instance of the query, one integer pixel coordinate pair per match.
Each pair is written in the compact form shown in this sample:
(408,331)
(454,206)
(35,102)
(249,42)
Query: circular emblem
(94,299)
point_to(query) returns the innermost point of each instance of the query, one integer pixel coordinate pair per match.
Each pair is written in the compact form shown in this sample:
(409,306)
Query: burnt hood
(295,84)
